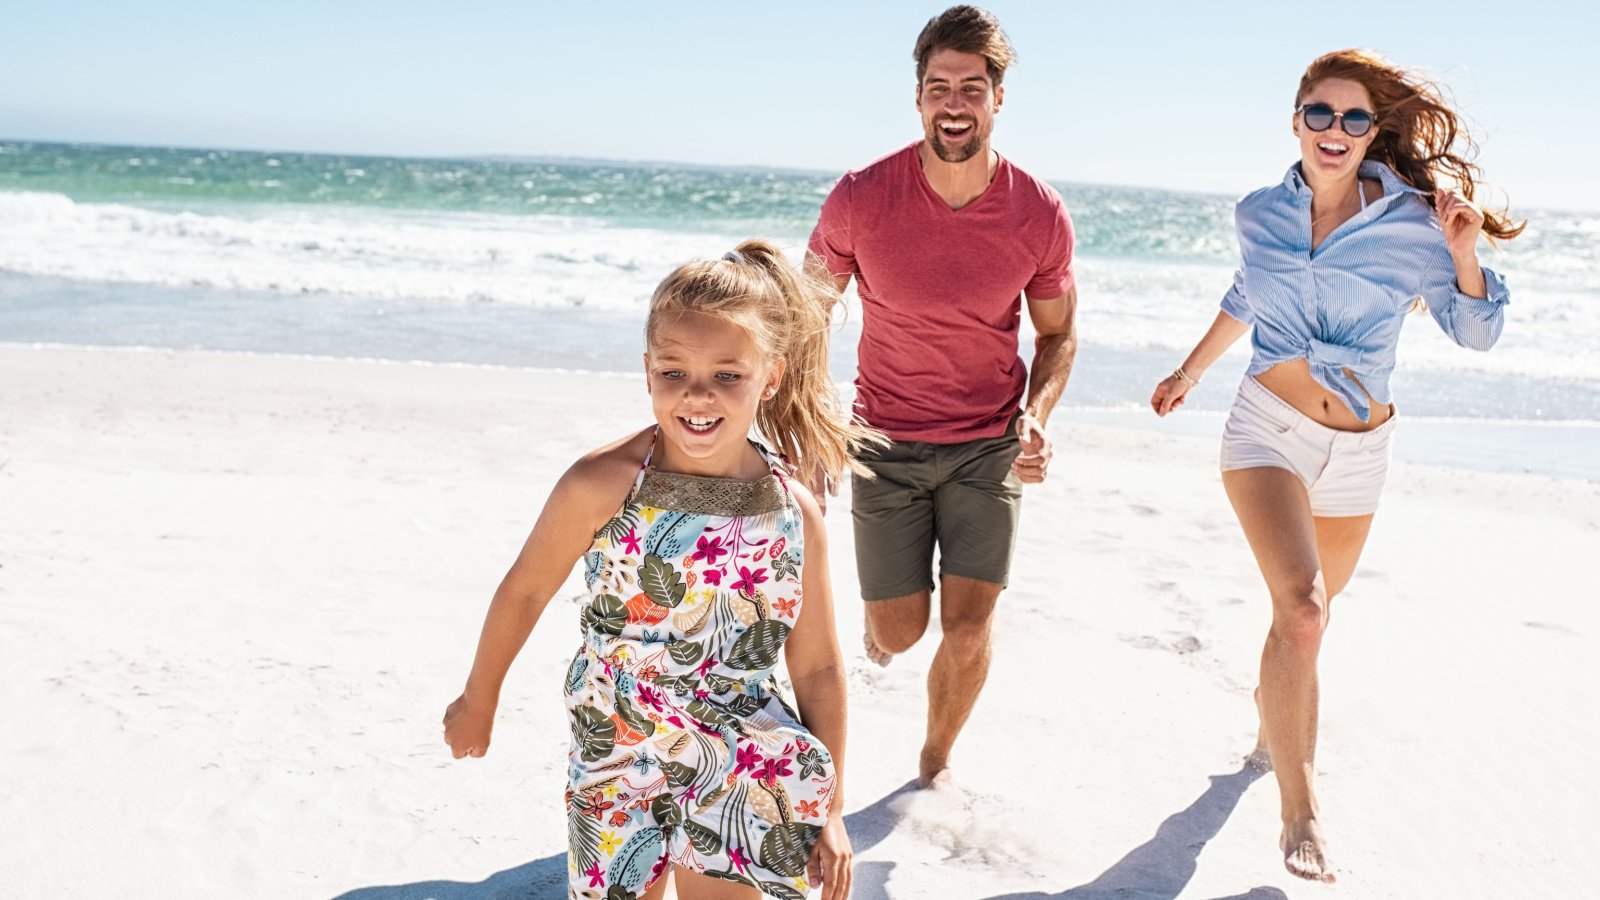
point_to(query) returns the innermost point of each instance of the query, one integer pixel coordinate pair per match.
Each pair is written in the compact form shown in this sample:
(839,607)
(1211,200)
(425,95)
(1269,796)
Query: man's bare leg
(895,625)
(966,611)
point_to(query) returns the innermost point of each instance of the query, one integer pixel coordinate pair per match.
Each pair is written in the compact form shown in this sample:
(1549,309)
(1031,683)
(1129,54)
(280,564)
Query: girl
(703,557)
(1357,233)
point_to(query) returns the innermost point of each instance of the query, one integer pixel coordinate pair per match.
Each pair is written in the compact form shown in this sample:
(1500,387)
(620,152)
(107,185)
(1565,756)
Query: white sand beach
(236,593)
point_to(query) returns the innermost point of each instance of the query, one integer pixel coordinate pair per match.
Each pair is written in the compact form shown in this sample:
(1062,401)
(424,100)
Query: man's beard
(958,153)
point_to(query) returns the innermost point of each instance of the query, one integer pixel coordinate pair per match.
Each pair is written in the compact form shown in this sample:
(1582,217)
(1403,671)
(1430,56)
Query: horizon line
(642,163)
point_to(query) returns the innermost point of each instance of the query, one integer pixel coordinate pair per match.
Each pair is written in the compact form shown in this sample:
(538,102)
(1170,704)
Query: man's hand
(1031,463)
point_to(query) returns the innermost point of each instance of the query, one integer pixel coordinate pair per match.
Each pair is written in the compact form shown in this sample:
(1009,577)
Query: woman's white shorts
(1343,471)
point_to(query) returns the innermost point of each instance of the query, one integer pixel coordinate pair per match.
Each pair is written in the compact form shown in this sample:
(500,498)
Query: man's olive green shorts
(962,498)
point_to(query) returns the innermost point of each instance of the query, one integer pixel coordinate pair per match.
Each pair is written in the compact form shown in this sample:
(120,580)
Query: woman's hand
(1460,221)
(830,860)
(1169,394)
(467,725)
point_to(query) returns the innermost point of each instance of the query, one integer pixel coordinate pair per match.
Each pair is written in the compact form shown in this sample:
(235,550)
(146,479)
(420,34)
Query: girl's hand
(1168,395)
(467,726)
(1460,221)
(829,865)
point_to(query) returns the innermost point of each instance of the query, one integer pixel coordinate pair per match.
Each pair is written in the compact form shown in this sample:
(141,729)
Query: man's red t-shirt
(941,292)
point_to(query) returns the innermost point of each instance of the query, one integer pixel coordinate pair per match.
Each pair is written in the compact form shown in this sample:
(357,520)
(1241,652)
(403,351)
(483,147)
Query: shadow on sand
(542,879)
(546,879)
(1158,869)
(1161,867)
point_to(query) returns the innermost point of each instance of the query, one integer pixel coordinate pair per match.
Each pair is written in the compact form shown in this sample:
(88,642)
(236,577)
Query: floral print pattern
(683,750)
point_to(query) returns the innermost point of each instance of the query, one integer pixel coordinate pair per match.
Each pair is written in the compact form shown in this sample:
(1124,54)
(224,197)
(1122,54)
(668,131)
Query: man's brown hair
(966,29)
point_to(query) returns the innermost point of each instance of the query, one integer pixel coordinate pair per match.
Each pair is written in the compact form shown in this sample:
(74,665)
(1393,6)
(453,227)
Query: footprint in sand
(1182,645)
(1552,626)
(967,825)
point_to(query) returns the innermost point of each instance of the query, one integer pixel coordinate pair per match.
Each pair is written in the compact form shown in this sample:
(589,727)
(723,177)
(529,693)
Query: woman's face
(1333,153)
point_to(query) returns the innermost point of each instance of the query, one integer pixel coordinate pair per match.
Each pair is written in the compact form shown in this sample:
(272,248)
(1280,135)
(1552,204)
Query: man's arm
(819,269)
(1054,348)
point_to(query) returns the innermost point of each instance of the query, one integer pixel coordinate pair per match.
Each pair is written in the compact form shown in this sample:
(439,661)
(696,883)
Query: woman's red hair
(1419,136)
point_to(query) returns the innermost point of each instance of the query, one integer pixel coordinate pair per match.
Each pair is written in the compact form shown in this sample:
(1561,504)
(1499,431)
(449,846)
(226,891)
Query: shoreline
(1556,448)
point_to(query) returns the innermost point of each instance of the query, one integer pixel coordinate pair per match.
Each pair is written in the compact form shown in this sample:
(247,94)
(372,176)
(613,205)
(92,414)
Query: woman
(1360,232)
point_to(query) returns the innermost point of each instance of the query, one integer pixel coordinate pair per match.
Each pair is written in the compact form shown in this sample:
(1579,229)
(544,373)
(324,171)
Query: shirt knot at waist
(1332,354)
(1328,362)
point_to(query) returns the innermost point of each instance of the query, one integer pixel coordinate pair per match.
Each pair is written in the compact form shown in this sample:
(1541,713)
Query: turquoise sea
(548,263)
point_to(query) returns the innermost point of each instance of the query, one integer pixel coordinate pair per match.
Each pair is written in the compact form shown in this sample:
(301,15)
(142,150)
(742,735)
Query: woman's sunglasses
(1320,116)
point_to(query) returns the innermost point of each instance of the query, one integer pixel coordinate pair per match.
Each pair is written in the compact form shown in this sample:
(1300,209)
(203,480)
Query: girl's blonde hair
(787,313)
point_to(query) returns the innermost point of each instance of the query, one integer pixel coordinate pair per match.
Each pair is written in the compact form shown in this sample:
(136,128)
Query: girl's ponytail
(803,418)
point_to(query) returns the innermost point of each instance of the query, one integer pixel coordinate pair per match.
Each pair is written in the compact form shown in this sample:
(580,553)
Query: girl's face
(706,378)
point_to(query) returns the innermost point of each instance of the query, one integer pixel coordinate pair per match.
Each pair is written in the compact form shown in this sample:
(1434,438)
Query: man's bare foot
(933,774)
(1260,758)
(1303,853)
(875,652)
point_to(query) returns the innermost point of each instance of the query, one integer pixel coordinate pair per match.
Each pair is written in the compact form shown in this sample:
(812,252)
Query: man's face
(958,102)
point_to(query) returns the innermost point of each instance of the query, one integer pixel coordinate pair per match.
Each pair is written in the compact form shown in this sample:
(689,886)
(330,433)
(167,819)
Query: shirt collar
(1370,168)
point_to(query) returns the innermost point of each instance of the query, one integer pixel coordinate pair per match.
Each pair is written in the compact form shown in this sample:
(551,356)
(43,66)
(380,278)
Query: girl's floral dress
(683,751)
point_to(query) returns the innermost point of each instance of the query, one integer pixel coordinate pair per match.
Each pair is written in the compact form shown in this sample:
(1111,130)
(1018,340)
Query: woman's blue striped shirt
(1342,305)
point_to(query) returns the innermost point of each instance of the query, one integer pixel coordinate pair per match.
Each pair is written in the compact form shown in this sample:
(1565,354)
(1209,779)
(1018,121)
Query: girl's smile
(707,377)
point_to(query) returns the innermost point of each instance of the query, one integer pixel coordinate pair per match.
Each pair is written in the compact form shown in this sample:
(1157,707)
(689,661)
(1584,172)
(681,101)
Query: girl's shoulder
(811,512)
(603,477)
(626,451)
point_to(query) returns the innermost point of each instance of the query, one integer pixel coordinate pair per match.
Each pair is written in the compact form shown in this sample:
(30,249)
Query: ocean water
(549,263)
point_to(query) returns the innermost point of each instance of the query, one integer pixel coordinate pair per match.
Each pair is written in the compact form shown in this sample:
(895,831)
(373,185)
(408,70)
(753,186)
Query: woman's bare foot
(1303,853)
(1260,758)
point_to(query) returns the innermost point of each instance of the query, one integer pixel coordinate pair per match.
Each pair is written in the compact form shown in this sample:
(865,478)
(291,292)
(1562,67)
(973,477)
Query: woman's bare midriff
(1291,381)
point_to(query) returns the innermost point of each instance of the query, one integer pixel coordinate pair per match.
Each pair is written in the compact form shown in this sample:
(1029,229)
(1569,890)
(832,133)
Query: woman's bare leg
(1289,546)
(1340,541)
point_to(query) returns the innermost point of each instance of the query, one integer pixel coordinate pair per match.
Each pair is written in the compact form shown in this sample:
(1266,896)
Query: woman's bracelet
(1183,376)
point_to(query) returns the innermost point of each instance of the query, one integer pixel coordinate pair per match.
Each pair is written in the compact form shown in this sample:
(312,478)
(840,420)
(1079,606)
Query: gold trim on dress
(710,496)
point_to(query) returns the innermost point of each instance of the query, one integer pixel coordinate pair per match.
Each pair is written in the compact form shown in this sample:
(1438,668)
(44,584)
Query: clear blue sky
(1181,95)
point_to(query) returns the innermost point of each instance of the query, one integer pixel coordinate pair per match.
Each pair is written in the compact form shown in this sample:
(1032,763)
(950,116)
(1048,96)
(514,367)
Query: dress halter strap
(778,469)
(650,450)
(644,467)
(777,464)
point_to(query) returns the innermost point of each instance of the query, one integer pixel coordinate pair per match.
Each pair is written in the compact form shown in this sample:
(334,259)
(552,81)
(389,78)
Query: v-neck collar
(927,186)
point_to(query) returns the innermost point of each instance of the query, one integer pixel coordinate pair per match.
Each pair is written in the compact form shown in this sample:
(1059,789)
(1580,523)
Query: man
(944,238)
